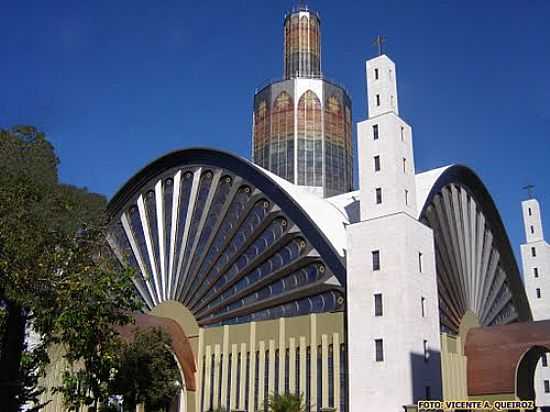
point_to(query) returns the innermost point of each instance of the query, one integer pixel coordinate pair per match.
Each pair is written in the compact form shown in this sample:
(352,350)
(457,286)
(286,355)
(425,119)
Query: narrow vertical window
(544,360)
(375,260)
(426,350)
(536,272)
(529,211)
(533,252)
(546,386)
(538,293)
(376,163)
(392,102)
(379,350)
(378,309)
(532,229)
(402,134)
(404,165)
(378,195)
(423,306)
(406,197)
(375,74)
(428,393)
(375,131)
(420,261)
(378,100)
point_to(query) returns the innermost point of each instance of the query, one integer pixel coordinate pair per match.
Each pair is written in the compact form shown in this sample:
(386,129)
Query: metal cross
(529,189)
(379,43)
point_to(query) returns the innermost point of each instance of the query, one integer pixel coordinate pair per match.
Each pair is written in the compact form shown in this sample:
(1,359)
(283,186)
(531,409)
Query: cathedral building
(284,278)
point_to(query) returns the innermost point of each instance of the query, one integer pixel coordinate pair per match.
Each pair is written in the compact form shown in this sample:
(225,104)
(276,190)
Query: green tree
(56,275)
(93,296)
(28,235)
(147,372)
(287,402)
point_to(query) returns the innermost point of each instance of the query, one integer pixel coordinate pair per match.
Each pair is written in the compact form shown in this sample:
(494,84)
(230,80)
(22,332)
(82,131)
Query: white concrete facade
(385,149)
(393,315)
(535,254)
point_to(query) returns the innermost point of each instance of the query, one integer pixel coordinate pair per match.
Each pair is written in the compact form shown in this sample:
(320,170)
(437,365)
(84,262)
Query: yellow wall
(318,333)
(453,368)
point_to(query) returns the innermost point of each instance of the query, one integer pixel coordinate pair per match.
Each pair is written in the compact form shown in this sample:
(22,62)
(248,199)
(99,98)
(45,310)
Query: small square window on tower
(375,260)
(378,100)
(533,252)
(423,306)
(376,163)
(379,350)
(378,309)
(375,132)
(378,195)
(538,293)
(375,74)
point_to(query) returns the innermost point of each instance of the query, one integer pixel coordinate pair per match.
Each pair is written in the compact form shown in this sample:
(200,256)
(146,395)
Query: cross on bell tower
(529,189)
(379,43)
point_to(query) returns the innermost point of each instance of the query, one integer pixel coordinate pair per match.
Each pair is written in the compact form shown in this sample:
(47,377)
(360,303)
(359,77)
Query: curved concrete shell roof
(477,271)
(230,241)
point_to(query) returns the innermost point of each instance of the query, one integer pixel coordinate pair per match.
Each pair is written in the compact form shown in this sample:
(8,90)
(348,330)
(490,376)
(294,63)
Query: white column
(233,391)
(252,373)
(292,365)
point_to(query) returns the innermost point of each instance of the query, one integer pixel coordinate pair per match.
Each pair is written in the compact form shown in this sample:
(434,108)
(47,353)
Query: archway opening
(525,372)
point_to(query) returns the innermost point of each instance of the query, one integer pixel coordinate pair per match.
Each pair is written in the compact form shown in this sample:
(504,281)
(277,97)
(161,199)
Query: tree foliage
(287,402)
(56,276)
(94,295)
(147,372)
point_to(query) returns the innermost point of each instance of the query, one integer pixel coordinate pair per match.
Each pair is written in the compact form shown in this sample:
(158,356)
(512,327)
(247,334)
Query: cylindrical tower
(302,124)
(302,44)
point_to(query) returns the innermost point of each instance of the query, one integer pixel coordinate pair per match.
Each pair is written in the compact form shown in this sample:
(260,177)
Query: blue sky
(116,84)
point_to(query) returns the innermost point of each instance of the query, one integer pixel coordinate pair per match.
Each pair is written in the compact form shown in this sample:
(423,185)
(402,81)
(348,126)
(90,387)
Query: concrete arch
(477,270)
(525,372)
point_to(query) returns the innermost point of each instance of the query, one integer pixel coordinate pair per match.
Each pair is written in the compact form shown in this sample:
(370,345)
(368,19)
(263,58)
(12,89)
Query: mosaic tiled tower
(302,124)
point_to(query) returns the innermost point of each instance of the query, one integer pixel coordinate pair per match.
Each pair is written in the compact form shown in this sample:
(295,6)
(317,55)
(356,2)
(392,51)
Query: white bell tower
(535,255)
(393,315)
